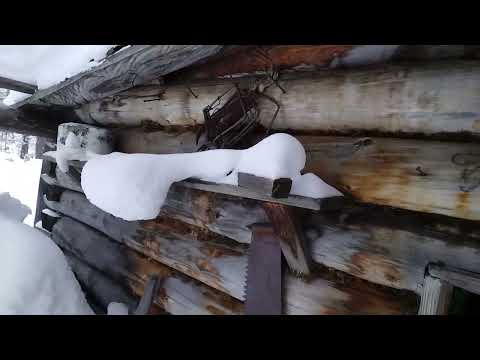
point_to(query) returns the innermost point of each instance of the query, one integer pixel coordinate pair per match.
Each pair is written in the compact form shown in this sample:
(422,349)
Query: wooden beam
(407,98)
(134,66)
(436,297)
(467,280)
(16,85)
(319,295)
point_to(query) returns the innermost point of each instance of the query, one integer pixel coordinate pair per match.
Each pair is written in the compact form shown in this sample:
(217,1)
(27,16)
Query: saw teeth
(246,275)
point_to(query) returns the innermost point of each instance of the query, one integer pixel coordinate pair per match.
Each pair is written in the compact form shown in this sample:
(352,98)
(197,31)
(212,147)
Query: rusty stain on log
(256,59)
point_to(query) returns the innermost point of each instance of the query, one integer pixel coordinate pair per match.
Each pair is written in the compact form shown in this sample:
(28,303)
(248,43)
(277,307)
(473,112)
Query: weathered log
(136,65)
(28,123)
(385,246)
(260,59)
(390,99)
(214,261)
(429,176)
(16,85)
(319,295)
(178,294)
(98,286)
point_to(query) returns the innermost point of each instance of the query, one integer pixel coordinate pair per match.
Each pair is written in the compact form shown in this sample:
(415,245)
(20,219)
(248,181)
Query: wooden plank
(391,99)
(467,280)
(134,66)
(286,224)
(16,85)
(436,297)
(177,294)
(319,295)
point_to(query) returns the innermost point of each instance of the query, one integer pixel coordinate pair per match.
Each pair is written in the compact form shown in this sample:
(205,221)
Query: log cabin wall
(396,127)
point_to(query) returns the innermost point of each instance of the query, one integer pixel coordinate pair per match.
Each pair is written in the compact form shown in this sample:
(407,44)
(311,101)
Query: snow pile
(13,208)
(34,275)
(115,308)
(20,178)
(134,186)
(46,65)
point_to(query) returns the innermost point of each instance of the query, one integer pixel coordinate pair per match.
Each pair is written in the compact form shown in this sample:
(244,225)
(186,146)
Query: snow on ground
(20,178)
(34,275)
(46,65)
(134,186)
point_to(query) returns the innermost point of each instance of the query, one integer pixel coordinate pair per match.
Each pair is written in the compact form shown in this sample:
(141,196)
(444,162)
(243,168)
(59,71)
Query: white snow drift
(134,186)
(35,277)
(46,65)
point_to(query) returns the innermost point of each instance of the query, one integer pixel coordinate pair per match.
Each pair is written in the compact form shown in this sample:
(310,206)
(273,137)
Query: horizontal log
(136,65)
(385,246)
(391,98)
(177,294)
(16,85)
(100,287)
(259,59)
(316,296)
(429,176)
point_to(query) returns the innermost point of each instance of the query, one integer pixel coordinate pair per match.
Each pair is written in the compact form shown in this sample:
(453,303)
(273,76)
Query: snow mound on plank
(34,275)
(134,186)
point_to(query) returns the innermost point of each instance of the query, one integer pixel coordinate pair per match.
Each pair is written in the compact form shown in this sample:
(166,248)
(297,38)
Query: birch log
(425,98)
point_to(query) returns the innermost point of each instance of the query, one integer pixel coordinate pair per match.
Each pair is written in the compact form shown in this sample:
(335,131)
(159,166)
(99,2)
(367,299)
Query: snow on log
(390,98)
(420,175)
(319,295)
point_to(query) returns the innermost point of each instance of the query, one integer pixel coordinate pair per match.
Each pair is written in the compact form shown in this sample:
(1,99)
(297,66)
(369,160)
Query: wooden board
(319,295)
(134,66)
(411,98)
(436,297)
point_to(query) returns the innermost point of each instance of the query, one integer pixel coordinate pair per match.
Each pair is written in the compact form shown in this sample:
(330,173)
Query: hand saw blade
(263,293)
